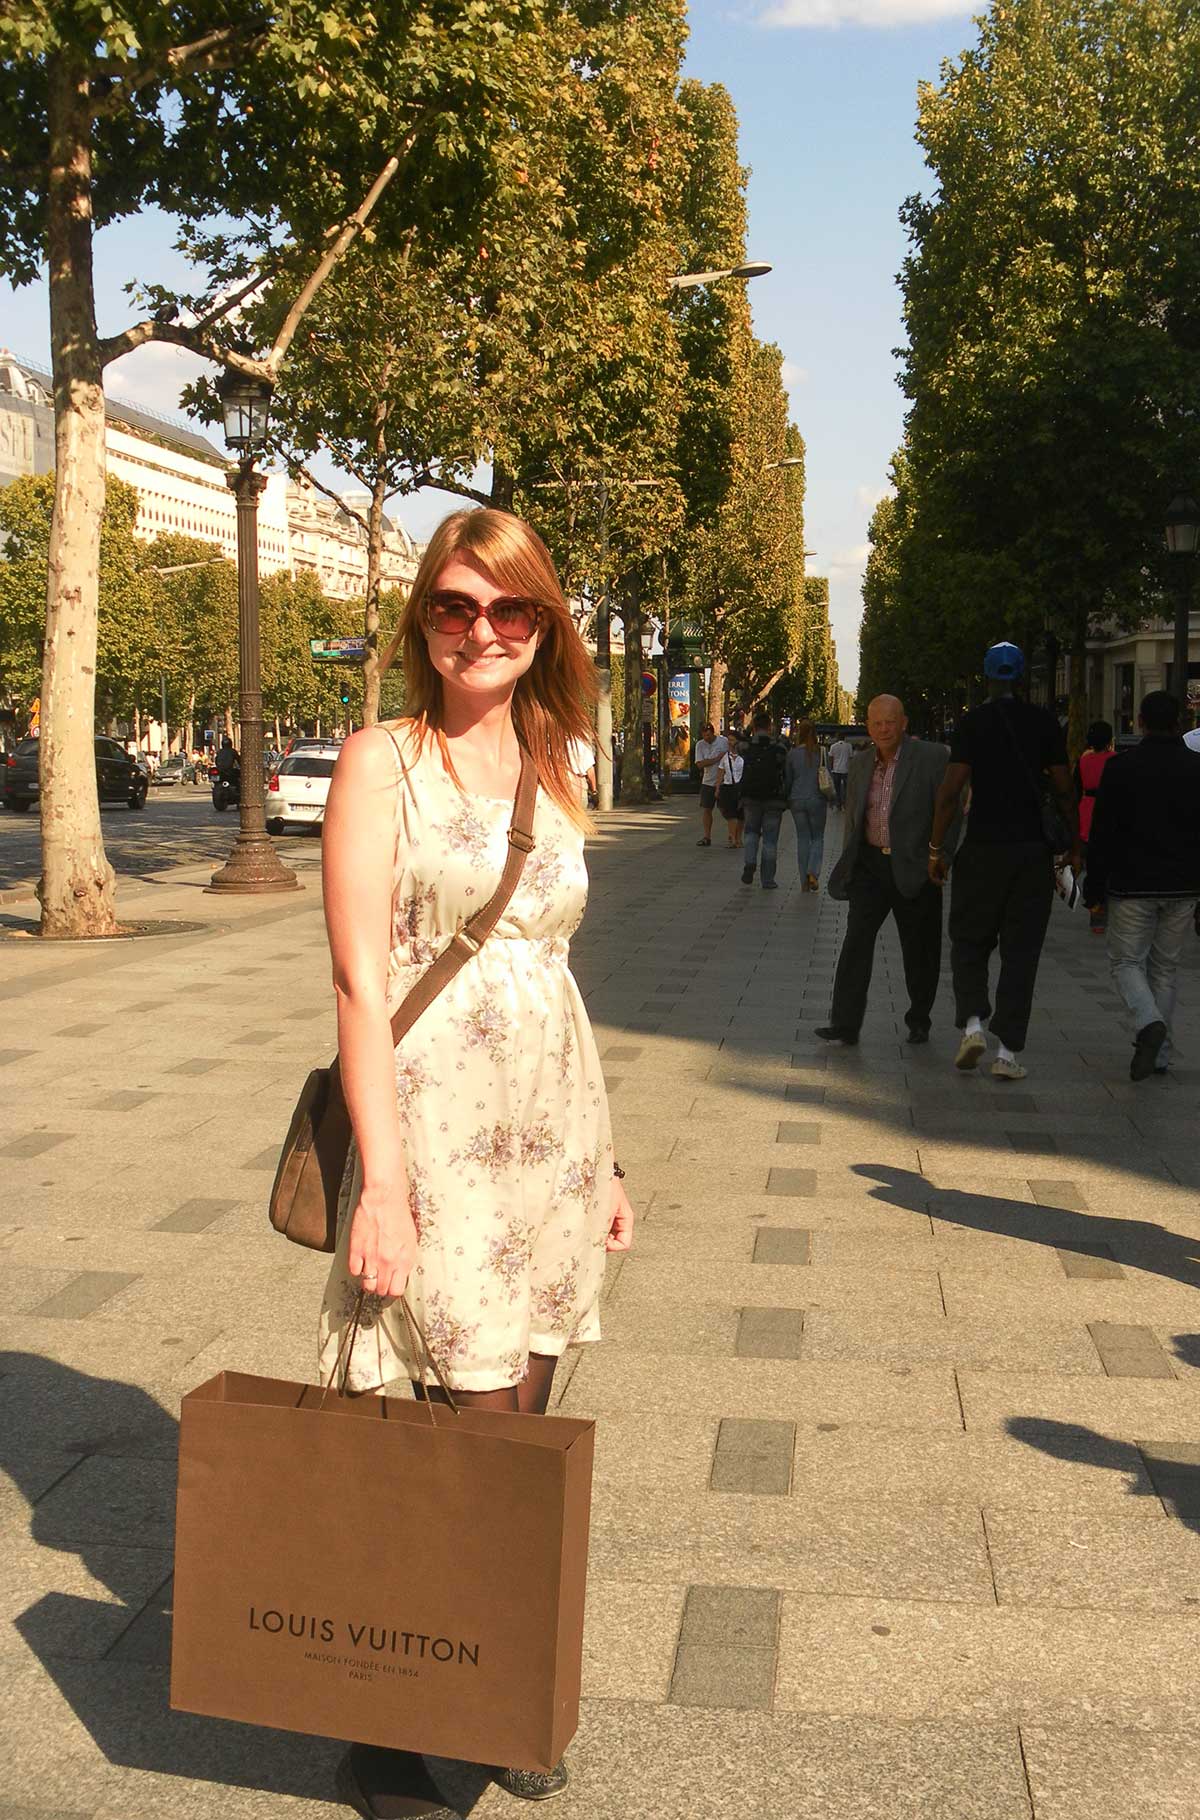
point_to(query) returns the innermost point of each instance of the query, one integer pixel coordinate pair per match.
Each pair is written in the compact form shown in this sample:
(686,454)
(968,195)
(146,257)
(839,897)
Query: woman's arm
(358,854)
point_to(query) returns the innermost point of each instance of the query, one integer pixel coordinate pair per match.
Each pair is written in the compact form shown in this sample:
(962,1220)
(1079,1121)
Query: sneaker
(770,887)
(747,875)
(704,843)
(917,1033)
(972,1047)
(1149,1040)
(1005,1068)
(533,1784)
(834,1033)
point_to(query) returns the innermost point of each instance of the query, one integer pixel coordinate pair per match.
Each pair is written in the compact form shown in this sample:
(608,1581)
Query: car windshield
(26,748)
(304,766)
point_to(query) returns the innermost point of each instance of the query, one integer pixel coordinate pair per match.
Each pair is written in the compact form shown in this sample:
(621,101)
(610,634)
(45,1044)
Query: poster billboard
(679,735)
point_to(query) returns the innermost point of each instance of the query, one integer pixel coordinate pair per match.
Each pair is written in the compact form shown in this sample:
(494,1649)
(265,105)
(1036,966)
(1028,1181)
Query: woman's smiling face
(478,662)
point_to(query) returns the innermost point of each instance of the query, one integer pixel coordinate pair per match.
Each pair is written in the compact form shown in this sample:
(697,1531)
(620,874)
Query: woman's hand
(620,1233)
(383,1240)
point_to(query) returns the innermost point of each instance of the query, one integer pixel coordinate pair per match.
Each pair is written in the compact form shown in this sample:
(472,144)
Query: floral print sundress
(502,1105)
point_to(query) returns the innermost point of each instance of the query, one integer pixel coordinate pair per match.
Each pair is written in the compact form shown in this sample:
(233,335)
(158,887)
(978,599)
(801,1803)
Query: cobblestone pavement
(898,1459)
(178,827)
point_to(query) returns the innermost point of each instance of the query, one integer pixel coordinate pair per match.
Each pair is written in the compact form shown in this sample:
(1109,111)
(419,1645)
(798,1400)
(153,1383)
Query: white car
(299,789)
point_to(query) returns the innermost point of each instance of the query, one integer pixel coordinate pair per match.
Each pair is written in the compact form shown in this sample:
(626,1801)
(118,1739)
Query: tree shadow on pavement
(95,1460)
(1143,1244)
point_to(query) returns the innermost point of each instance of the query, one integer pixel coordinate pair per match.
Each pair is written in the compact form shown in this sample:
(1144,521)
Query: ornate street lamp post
(253,865)
(1182,537)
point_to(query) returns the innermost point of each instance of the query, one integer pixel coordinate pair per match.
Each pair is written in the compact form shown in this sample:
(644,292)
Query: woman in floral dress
(481,1181)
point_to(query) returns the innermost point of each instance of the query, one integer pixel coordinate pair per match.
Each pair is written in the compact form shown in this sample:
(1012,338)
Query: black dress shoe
(389,1785)
(916,1034)
(834,1033)
(534,1784)
(1150,1039)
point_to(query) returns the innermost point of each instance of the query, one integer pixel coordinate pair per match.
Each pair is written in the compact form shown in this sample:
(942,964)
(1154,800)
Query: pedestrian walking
(729,792)
(711,748)
(807,804)
(1144,858)
(764,797)
(883,871)
(1089,769)
(1009,751)
(483,1184)
(840,754)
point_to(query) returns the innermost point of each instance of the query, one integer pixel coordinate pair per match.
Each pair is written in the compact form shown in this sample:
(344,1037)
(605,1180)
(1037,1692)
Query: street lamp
(787,461)
(691,281)
(253,865)
(1182,537)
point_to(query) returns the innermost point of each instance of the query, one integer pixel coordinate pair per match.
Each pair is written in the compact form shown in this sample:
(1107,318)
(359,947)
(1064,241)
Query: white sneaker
(973,1045)
(1006,1069)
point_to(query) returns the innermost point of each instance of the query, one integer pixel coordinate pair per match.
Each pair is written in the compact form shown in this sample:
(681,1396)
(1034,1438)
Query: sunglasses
(512,617)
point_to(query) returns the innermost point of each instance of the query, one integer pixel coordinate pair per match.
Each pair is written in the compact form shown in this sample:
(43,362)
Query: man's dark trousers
(999,893)
(873,896)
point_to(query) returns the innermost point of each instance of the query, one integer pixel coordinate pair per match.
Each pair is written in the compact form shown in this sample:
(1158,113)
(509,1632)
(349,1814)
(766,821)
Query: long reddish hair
(552,700)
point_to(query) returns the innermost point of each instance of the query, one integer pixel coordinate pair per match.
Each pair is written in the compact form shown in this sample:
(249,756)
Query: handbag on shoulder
(303,1204)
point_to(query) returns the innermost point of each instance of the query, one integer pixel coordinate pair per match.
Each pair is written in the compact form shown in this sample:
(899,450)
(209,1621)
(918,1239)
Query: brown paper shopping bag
(360,1569)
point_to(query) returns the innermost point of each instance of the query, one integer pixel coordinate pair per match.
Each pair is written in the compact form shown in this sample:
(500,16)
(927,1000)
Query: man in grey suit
(884,870)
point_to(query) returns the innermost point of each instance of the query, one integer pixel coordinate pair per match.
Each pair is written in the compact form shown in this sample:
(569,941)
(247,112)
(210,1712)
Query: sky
(826,95)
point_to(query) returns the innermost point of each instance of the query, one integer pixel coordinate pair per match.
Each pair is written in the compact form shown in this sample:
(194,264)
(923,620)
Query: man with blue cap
(1003,880)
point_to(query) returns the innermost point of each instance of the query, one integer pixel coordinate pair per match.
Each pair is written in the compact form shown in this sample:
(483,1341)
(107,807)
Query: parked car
(179,769)
(299,789)
(119,778)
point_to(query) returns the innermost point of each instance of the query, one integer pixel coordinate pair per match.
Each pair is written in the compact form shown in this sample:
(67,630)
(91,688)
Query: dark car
(119,778)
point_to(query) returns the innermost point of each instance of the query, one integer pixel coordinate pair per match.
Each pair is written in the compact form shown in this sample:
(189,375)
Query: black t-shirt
(1005,793)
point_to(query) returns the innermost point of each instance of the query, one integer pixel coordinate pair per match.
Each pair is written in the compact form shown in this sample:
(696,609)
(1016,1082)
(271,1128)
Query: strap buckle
(524,843)
(467,940)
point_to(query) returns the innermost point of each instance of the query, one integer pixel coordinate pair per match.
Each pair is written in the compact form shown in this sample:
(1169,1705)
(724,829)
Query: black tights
(531,1397)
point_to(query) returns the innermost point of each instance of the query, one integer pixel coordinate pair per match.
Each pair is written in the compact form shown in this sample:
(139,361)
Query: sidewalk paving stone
(877,1482)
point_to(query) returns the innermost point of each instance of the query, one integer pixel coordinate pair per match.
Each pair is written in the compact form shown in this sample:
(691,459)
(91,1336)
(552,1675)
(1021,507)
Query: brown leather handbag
(308,1181)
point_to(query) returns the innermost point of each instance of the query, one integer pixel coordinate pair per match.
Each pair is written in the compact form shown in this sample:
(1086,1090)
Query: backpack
(764,778)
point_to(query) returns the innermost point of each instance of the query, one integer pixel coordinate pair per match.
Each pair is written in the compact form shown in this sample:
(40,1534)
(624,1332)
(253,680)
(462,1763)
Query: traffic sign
(338,650)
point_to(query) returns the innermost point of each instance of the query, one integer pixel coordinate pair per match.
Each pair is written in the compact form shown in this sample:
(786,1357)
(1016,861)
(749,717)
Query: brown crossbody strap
(475,931)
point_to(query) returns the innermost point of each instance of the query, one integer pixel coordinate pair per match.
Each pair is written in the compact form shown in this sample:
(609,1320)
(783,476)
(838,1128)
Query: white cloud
(867,498)
(154,376)
(793,375)
(848,561)
(875,13)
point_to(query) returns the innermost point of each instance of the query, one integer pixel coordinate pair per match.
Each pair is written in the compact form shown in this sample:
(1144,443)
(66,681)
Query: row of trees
(1052,306)
(445,236)
(174,633)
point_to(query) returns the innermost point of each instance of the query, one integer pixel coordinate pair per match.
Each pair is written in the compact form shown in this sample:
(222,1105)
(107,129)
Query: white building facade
(180,480)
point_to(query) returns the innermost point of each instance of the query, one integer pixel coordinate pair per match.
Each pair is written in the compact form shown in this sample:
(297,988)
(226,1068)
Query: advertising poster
(679,738)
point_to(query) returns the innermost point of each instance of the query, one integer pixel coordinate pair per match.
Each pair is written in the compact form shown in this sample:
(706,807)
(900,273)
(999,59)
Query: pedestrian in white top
(711,748)
(581,763)
(840,754)
(729,793)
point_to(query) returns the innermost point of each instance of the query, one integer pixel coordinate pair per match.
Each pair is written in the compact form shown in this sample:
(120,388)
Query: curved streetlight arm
(691,281)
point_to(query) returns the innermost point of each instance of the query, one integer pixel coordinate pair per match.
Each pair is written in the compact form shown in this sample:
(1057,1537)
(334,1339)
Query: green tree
(291,120)
(1053,324)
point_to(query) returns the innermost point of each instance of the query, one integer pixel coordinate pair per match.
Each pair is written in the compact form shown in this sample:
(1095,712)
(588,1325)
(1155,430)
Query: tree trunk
(716,691)
(229,722)
(77,884)
(191,721)
(137,726)
(633,773)
(1077,710)
(504,487)
(278,747)
(374,570)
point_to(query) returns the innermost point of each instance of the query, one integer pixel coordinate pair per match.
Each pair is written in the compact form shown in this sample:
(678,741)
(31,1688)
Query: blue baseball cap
(1004,663)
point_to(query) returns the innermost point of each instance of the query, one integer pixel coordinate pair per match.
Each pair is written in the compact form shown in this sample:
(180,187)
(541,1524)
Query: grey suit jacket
(919,772)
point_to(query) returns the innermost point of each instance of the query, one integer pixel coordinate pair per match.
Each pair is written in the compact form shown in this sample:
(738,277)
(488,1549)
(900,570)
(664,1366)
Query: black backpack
(764,776)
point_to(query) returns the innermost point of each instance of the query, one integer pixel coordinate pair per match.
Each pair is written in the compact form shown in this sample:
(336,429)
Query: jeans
(763,819)
(1145,939)
(809,818)
(839,787)
(999,893)
(874,897)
